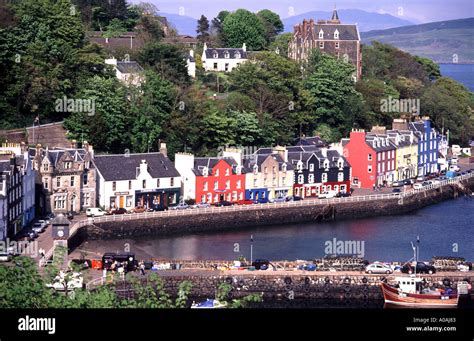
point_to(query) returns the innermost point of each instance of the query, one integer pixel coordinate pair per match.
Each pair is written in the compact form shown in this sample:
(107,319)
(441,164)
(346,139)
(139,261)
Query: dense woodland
(45,55)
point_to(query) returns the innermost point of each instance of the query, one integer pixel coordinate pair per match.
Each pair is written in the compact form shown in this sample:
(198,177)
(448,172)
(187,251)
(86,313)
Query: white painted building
(147,180)
(184,164)
(128,72)
(191,64)
(223,59)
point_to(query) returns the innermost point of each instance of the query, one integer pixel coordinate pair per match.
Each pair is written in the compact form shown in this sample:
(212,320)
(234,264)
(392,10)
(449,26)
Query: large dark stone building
(330,36)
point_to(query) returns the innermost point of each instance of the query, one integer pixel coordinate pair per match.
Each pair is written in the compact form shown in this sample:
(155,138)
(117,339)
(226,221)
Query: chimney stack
(73,144)
(163,149)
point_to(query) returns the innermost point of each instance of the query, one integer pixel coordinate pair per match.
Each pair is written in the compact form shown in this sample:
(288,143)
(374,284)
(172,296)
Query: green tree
(243,26)
(203,29)
(280,44)
(217,28)
(272,23)
(115,28)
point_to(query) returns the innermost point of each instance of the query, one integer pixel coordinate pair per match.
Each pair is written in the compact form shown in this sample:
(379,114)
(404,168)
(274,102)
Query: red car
(119,211)
(245,202)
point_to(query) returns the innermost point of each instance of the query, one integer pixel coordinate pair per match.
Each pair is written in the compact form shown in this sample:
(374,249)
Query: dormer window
(326,164)
(283,167)
(336,34)
(299,165)
(45,167)
(226,54)
(340,163)
(205,171)
(255,169)
(321,34)
(67,165)
(217,172)
(215,55)
(237,55)
(238,170)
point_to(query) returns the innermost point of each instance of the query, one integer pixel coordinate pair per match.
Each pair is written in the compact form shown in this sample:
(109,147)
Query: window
(84,178)
(227,172)
(226,67)
(205,186)
(337,45)
(215,66)
(265,170)
(326,164)
(299,166)
(227,184)
(300,179)
(321,34)
(226,55)
(45,184)
(324,177)
(86,199)
(321,44)
(128,201)
(67,165)
(383,156)
(383,166)
(369,169)
(283,167)
(58,182)
(209,197)
(336,34)
(239,184)
(114,186)
(216,185)
(157,184)
(311,178)
(72,181)
(172,182)
(255,182)
(45,167)
(255,169)
(370,157)
(143,183)
(340,176)
(311,167)
(60,202)
(217,172)
(237,55)
(205,171)
(215,55)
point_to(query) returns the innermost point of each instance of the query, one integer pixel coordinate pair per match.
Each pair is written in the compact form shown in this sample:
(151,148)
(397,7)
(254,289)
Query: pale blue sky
(415,10)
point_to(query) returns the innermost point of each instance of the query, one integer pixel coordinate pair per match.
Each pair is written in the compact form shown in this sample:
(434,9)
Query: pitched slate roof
(221,53)
(346,31)
(371,137)
(332,156)
(258,159)
(124,167)
(311,141)
(129,67)
(202,162)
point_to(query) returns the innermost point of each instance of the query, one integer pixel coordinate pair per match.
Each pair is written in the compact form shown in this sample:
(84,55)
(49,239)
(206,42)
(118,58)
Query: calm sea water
(463,73)
(443,229)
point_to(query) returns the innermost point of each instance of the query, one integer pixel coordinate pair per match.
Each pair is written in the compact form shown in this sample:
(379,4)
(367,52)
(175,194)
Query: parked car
(95,212)
(343,195)
(223,203)
(454,168)
(246,202)
(378,268)
(38,227)
(139,209)
(119,211)
(5,257)
(43,222)
(408,182)
(180,206)
(201,205)
(279,199)
(261,264)
(397,183)
(327,195)
(420,178)
(396,190)
(420,268)
(418,185)
(297,198)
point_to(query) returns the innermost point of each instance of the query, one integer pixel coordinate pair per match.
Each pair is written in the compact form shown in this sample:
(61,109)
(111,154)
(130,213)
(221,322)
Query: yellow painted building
(406,154)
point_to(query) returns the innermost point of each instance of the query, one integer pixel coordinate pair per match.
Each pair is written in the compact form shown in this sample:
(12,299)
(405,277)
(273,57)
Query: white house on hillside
(191,64)
(128,72)
(223,59)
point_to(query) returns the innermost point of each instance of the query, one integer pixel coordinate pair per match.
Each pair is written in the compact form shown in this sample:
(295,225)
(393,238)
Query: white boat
(209,304)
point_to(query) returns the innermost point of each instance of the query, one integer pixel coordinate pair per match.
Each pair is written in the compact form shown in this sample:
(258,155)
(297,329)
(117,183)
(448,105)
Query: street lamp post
(251,249)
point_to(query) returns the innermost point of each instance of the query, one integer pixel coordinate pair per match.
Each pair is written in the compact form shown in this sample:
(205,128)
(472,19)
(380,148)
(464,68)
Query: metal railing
(234,208)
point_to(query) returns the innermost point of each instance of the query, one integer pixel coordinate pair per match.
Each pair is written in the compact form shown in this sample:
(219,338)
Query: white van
(94,212)
(327,195)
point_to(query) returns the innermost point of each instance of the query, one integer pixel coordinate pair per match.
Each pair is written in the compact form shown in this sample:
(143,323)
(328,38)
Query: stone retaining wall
(233,220)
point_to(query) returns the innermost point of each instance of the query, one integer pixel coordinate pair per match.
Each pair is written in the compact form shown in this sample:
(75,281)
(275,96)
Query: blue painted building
(428,143)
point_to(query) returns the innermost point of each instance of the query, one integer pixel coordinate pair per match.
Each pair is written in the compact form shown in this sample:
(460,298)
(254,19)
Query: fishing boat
(408,292)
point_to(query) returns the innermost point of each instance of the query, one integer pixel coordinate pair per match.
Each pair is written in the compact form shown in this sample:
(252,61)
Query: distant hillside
(184,24)
(438,41)
(366,21)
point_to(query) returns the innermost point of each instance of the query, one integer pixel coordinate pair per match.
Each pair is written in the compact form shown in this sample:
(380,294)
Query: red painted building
(218,179)
(372,158)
